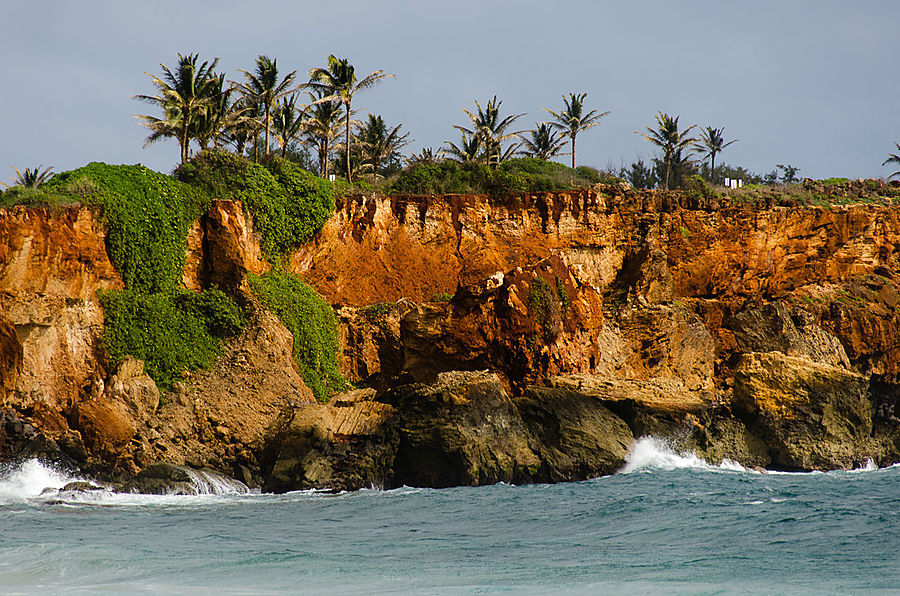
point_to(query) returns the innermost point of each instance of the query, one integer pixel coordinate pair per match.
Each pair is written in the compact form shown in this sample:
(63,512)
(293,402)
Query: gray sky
(810,83)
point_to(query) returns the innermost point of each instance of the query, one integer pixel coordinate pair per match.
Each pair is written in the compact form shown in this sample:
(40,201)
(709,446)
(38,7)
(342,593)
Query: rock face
(462,430)
(574,435)
(811,415)
(349,444)
(523,339)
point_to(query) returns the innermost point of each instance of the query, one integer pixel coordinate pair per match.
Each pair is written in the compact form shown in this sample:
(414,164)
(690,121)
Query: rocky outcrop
(462,430)
(349,444)
(810,415)
(574,435)
(759,333)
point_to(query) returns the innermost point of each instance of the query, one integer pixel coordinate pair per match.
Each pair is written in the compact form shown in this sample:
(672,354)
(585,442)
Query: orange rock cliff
(473,326)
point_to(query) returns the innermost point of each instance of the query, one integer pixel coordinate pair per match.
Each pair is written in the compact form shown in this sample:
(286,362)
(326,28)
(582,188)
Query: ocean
(665,524)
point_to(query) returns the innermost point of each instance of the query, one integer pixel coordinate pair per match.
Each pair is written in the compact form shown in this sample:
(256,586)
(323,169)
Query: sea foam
(29,480)
(653,453)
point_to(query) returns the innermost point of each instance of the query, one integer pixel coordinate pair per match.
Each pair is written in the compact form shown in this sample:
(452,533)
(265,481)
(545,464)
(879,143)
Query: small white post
(728,183)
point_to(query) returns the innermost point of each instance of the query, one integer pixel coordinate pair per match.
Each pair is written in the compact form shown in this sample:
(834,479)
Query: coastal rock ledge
(529,339)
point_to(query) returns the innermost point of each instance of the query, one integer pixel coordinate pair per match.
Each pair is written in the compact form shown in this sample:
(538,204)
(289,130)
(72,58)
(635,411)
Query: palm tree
(573,118)
(491,131)
(221,115)
(183,96)
(287,121)
(32,177)
(893,158)
(468,150)
(712,143)
(378,145)
(339,80)
(322,124)
(543,143)
(265,89)
(667,137)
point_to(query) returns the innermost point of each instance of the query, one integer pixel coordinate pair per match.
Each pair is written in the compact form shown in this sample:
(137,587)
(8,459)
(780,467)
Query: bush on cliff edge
(288,204)
(148,215)
(311,321)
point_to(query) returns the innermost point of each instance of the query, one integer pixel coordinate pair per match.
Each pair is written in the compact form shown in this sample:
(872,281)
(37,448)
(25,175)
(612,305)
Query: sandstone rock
(222,248)
(106,426)
(346,445)
(462,430)
(573,434)
(659,395)
(540,321)
(772,327)
(10,357)
(371,349)
(135,389)
(811,415)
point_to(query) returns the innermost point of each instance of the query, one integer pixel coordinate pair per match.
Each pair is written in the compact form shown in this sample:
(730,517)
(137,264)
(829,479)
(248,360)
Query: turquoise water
(665,524)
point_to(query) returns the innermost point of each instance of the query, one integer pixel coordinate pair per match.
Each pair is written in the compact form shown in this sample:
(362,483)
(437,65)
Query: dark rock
(81,486)
(773,327)
(346,445)
(574,435)
(462,430)
(161,478)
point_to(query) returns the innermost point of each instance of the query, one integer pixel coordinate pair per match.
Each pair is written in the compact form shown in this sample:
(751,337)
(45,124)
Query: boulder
(462,430)
(346,445)
(574,435)
(161,478)
(131,386)
(812,416)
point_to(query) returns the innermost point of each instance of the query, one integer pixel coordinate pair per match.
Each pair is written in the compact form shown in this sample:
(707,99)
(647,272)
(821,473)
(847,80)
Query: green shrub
(221,316)
(287,203)
(169,338)
(148,215)
(311,321)
(544,306)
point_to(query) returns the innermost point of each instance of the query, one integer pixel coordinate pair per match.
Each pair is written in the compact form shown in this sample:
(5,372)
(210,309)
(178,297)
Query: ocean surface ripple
(667,523)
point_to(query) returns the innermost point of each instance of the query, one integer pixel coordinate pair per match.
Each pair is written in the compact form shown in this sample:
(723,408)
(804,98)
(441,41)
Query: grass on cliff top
(313,324)
(524,174)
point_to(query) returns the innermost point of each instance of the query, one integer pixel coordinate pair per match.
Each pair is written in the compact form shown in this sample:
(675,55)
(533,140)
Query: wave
(654,453)
(30,479)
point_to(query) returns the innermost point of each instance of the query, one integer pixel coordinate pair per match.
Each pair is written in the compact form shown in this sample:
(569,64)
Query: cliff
(761,333)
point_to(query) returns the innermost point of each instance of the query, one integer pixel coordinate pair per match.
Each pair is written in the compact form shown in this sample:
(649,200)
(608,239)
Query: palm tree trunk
(347,139)
(712,165)
(267,130)
(668,162)
(573,152)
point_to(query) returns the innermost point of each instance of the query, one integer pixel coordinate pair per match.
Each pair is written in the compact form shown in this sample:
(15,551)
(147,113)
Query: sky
(813,84)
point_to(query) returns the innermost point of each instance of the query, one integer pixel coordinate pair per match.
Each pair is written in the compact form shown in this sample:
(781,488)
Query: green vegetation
(712,142)
(523,174)
(148,215)
(673,143)
(544,306)
(312,322)
(483,141)
(288,204)
(170,331)
(339,81)
(153,318)
(893,158)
